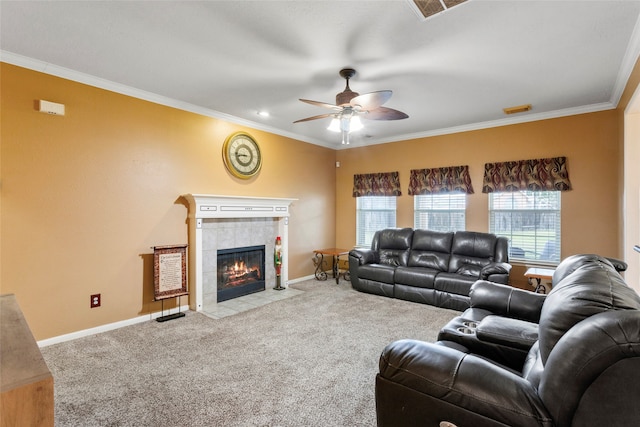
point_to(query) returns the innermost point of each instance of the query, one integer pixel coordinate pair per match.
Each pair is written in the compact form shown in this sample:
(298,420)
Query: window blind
(531,222)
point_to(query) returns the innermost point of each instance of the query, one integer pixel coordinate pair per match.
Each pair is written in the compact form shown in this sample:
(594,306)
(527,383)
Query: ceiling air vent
(517,109)
(428,8)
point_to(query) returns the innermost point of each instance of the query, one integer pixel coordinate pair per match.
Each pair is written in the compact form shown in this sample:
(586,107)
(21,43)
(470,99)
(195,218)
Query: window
(440,212)
(373,213)
(531,222)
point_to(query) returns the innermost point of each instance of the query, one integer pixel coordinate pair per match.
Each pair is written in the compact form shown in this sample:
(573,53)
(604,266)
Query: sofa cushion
(393,245)
(472,248)
(416,294)
(434,260)
(394,257)
(377,272)
(592,376)
(474,244)
(454,283)
(469,270)
(431,249)
(590,289)
(416,276)
(395,238)
(572,263)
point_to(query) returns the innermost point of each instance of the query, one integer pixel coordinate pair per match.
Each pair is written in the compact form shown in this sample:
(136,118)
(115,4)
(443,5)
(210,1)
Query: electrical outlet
(95,300)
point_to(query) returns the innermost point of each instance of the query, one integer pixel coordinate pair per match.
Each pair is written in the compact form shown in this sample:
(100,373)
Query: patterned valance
(377,184)
(440,180)
(531,175)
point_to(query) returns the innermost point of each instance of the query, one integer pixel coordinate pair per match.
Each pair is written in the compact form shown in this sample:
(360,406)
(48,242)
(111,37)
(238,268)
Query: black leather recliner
(502,321)
(584,369)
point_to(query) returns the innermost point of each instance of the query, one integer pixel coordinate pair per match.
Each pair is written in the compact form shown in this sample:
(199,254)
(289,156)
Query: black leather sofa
(583,370)
(430,267)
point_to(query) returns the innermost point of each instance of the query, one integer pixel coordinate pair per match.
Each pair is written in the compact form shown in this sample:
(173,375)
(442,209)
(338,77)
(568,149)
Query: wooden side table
(26,384)
(539,274)
(335,253)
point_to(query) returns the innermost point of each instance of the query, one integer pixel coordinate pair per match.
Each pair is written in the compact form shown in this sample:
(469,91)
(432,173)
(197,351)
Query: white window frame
(536,239)
(373,213)
(440,211)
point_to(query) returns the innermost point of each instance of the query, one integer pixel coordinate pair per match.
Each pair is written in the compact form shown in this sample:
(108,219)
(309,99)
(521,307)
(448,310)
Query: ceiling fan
(350,106)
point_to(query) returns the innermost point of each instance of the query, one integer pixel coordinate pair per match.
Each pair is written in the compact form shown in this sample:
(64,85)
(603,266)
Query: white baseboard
(109,327)
(123,323)
(301,279)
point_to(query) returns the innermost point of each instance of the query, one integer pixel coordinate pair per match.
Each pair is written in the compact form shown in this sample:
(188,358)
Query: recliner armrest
(494,268)
(507,331)
(364,256)
(453,385)
(505,300)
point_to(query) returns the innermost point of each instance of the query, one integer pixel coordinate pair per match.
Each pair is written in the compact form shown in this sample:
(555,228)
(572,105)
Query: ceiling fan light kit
(350,105)
(352,124)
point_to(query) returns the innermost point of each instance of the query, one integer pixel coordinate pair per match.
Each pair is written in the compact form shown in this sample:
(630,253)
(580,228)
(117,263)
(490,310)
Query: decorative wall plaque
(169,271)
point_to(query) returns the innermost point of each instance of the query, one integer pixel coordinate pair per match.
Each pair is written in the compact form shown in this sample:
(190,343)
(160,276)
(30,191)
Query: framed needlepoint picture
(169,271)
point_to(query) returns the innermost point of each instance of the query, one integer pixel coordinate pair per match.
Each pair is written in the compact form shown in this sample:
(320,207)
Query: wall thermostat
(50,107)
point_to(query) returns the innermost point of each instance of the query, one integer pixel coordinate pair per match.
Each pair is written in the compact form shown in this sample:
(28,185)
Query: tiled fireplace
(219,223)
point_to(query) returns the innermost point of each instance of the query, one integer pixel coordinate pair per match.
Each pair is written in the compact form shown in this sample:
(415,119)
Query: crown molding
(490,124)
(628,63)
(69,74)
(87,79)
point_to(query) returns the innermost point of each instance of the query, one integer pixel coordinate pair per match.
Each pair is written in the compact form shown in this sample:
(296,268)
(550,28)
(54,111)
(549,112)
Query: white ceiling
(230,59)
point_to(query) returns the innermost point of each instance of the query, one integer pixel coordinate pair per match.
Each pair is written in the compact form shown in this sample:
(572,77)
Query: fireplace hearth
(241,271)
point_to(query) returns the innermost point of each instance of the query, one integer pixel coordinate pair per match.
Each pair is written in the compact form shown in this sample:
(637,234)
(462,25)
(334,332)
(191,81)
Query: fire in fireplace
(240,272)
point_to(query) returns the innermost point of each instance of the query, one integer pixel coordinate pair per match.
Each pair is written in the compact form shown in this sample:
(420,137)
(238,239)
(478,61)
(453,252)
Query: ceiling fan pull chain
(345,136)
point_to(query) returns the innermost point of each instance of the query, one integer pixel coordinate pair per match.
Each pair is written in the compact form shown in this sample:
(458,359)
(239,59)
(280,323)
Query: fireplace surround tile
(228,233)
(219,222)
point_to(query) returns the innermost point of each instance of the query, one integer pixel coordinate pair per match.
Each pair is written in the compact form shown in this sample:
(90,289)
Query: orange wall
(86,195)
(590,211)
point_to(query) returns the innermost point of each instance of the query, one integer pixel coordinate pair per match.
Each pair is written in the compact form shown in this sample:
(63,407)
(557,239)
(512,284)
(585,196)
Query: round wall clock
(241,155)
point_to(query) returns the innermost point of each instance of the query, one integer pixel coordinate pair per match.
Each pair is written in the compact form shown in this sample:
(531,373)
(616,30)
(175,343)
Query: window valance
(377,184)
(440,180)
(527,175)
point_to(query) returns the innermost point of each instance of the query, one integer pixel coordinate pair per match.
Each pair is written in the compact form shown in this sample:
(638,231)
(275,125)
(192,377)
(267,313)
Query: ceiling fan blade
(371,101)
(321,104)
(384,113)
(321,116)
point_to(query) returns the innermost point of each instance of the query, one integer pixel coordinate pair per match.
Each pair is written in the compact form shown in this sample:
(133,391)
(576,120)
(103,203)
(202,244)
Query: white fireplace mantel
(213,206)
(203,207)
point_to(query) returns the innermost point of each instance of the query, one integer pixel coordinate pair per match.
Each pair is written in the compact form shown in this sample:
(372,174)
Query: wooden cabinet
(26,383)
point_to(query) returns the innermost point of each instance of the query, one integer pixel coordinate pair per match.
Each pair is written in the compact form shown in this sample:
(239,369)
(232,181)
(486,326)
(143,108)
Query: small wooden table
(26,384)
(539,274)
(335,253)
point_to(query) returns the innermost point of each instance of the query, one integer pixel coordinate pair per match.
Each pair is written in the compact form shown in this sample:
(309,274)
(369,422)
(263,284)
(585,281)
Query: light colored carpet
(308,360)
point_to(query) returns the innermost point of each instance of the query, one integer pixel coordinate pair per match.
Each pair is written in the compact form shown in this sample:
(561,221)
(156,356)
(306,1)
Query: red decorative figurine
(277,260)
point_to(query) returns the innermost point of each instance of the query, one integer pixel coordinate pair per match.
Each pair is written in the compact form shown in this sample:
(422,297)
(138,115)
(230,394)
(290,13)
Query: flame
(240,267)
